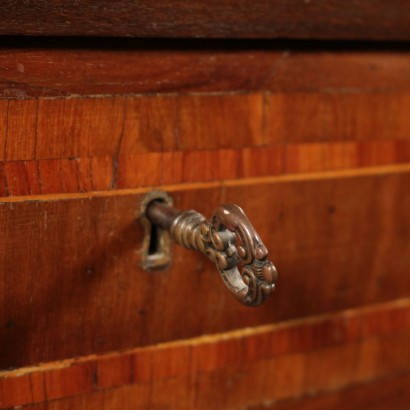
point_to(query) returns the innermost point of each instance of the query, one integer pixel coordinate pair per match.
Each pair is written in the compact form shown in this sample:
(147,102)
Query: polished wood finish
(64,68)
(274,362)
(322,19)
(92,144)
(72,284)
(384,394)
(73,175)
(312,139)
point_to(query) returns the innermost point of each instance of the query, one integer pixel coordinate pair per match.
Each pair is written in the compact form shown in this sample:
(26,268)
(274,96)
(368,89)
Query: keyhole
(156,248)
(154,245)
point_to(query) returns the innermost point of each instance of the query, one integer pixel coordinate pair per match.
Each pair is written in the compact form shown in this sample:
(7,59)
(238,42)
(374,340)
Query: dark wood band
(319,19)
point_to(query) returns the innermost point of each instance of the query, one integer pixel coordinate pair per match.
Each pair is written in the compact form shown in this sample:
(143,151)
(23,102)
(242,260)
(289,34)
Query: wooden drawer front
(359,355)
(72,282)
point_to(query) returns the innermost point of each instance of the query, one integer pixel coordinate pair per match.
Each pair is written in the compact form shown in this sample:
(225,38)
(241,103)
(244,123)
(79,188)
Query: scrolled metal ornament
(230,241)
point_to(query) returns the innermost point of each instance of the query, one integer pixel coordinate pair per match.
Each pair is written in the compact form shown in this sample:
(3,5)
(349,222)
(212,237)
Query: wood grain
(125,67)
(66,68)
(156,169)
(75,128)
(312,139)
(100,127)
(364,19)
(323,354)
(67,145)
(313,117)
(72,284)
(391,392)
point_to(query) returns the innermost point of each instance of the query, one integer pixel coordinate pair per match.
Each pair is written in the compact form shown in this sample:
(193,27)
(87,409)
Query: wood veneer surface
(65,68)
(66,145)
(360,19)
(314,144)
(72,285)
(317,361)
